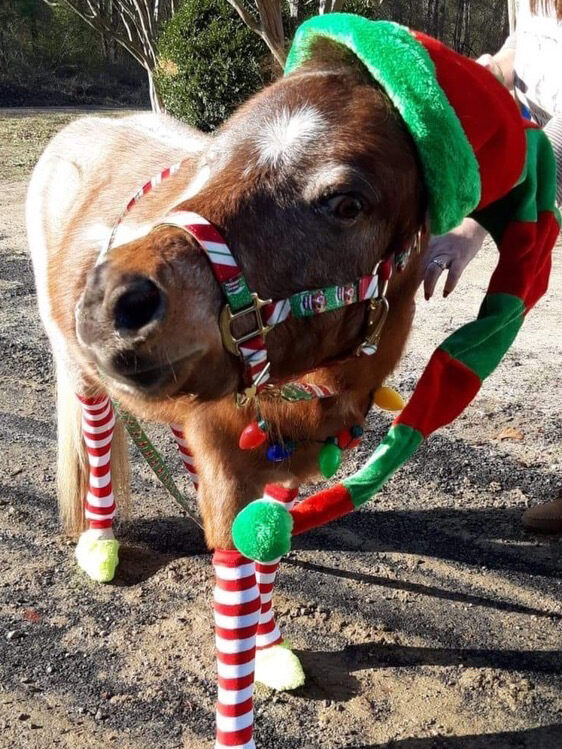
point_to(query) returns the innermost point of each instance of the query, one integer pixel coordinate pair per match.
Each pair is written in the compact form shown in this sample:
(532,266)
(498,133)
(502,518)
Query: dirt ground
(428,620)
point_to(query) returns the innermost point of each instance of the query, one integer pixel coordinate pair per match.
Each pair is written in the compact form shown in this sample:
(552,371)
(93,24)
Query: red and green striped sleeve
(525,225)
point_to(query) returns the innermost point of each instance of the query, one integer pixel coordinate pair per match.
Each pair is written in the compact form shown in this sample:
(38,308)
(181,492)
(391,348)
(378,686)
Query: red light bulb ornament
(356,436)
(253,436)
(344,439)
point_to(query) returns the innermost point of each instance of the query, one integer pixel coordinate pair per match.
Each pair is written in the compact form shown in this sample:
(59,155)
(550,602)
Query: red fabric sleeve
(488,114)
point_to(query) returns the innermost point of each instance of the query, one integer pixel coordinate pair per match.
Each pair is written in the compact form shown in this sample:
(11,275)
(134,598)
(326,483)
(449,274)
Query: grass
(24,135)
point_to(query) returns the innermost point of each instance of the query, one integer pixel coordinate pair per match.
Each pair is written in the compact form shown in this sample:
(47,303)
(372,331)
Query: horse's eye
(345,208)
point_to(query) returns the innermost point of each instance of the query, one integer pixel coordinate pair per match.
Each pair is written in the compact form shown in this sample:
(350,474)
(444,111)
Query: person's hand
(451,252)
(487,61)
(501,65)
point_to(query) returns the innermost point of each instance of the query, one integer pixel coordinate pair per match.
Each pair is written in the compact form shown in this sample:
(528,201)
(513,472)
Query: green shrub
(209,63)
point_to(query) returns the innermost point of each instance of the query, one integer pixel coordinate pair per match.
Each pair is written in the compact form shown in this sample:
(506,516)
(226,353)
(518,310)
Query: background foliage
(209,61)
(49,56)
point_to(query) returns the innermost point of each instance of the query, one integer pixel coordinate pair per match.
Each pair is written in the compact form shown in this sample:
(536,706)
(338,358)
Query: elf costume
(480,159)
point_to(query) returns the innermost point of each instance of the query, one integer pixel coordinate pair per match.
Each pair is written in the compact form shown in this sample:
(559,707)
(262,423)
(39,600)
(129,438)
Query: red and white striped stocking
(186,455)
(98,421)
(237,610)
(268,631)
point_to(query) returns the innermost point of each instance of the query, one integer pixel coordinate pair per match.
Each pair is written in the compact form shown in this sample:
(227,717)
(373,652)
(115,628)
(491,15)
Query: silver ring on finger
(440,263)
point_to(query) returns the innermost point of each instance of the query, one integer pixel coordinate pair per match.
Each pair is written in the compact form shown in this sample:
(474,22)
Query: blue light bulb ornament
(277,452)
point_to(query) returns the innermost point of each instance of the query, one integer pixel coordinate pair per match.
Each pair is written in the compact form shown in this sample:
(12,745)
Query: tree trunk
(512,12)
(155,99)
(272,32)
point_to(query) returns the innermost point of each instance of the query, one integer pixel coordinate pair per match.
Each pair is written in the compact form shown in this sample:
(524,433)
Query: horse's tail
(73,467)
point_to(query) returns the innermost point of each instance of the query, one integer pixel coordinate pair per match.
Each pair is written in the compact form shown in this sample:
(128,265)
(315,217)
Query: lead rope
(137,434)
(154,459)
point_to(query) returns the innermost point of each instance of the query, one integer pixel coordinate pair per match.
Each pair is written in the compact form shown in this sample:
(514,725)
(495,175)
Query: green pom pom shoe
(279,668)
(98,557)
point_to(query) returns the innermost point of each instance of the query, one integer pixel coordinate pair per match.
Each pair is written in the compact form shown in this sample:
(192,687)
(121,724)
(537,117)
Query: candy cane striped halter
(265,314)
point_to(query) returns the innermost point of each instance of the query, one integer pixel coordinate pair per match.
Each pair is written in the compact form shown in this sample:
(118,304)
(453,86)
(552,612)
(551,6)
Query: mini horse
(296,212)
(311,183)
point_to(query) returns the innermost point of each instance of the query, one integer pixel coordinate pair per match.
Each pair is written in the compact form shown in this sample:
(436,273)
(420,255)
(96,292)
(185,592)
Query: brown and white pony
(311,183)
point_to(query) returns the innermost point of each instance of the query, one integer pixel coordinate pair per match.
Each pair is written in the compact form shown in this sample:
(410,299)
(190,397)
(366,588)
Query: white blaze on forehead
(286,134)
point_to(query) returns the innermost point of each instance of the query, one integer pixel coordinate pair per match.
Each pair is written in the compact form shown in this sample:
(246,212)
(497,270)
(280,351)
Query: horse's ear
(326,54)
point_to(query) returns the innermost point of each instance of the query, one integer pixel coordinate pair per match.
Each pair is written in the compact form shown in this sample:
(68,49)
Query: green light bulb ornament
(329,458)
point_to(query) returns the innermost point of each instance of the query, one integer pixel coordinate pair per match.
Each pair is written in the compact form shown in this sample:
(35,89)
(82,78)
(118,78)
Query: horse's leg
(276,665)
(186,456)
(97,549)
(237,610)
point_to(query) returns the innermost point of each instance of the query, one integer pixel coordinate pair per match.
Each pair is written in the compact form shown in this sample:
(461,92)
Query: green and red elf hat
(480,159)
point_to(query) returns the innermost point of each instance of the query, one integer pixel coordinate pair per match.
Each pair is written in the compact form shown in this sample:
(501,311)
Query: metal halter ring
(440,263)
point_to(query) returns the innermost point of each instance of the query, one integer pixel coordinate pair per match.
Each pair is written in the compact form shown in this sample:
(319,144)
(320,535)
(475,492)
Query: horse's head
(311,183)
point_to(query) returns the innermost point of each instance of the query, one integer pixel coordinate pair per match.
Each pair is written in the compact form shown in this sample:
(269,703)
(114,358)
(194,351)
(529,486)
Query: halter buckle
(227,317)
(378,311)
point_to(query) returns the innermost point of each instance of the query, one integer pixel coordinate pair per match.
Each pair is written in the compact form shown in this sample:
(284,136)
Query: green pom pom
(262,530)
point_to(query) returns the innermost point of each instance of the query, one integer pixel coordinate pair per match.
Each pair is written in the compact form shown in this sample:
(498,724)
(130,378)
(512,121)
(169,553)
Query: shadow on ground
(488,536)
(543,737)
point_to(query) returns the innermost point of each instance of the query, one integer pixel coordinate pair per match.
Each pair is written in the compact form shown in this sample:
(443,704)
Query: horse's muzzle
(120,321)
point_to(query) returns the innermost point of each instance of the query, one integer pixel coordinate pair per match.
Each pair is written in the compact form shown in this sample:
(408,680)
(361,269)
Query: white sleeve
(510,42)
(553,131)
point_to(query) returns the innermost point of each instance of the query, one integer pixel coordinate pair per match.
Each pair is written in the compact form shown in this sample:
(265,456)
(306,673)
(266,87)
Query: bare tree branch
(269,26)
(133,24)
(269,21)
(272,31)
(246,16)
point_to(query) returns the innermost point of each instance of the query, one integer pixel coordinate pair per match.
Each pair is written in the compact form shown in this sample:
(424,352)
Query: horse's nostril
(140,303)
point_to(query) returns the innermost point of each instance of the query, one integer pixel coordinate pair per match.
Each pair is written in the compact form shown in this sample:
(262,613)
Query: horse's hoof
(98,557)
(279,668)
(262,530)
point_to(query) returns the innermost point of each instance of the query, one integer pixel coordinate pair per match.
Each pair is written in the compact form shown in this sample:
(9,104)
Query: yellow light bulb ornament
(388,399)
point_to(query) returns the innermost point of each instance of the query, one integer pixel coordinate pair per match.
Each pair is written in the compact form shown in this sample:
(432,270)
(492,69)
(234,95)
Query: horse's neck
(133,152)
